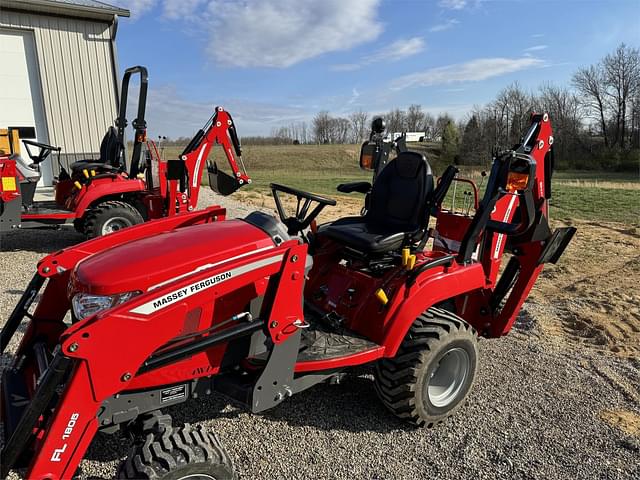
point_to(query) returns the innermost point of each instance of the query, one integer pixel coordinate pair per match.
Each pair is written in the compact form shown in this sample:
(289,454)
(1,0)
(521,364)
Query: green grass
(584,195)
(596,204)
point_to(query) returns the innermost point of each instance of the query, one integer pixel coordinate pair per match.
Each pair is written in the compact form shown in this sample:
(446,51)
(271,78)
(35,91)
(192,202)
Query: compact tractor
(258,309)
(101,196)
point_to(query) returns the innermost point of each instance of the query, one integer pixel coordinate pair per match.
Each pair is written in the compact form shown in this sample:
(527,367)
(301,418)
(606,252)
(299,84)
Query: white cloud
(472,71)
(536,48)
(171,114)
(453,4)
(182,9)
(397,50)
(137,7)
(441,27)
(281,33)
(271,33)
(459,4)
(355,94)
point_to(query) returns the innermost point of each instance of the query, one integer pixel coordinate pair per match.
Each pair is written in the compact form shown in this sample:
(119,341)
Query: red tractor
(259,309)
(102,196)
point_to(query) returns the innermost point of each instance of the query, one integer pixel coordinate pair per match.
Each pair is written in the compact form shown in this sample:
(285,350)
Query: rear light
(517,181)
(366,162)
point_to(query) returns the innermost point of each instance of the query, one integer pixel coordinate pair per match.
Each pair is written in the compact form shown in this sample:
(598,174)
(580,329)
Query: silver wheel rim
(114,224)
(197,476)
(448,378)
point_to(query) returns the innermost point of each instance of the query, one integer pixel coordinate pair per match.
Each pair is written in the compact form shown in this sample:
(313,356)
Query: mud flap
(10,214)
(556,245)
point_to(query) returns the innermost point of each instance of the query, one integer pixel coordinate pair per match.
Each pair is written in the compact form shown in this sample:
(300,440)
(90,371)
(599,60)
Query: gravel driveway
(535,410)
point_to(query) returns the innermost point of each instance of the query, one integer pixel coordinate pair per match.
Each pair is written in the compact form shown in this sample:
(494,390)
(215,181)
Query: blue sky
(273,62)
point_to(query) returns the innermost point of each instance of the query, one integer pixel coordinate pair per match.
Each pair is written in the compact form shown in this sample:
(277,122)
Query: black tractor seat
(397,213)
(109,160)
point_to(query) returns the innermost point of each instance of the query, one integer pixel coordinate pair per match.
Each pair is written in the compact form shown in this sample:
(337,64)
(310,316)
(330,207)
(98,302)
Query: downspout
(114,59)
(115,70)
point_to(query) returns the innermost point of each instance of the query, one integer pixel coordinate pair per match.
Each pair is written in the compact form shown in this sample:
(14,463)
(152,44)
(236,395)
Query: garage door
(20,90)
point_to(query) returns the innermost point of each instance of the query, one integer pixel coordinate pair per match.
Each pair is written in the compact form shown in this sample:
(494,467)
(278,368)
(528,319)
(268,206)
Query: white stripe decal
(496,252)
(201,285)
(207,266)
(197,169)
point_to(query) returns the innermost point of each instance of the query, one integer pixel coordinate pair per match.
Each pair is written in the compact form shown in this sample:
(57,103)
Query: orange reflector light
(85,172)
(366,162)
(78,185)
(93,173)
(517,181)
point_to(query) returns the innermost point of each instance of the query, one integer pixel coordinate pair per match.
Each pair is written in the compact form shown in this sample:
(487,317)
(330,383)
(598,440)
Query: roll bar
(139,123)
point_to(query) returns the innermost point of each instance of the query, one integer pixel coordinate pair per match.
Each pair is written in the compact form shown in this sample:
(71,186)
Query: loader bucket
(221,182)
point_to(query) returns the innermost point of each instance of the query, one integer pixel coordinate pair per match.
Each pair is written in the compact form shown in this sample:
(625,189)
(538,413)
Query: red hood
(147,262)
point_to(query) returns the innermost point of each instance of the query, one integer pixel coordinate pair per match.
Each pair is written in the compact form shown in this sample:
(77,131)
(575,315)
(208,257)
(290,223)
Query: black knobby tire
(413,384)
(169,453)
(110,216)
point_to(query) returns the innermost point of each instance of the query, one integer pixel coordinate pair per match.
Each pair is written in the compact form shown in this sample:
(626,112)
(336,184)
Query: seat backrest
(110,148)
(398,198)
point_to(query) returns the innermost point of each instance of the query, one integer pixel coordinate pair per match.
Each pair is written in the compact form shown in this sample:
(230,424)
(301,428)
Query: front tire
(433,370)
(109,217)
(183,453)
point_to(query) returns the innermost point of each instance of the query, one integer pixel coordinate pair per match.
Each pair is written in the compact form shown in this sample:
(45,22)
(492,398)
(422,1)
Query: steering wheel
(44,152)
(303,217)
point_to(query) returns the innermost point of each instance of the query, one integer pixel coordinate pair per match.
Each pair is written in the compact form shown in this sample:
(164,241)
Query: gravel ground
(535,410)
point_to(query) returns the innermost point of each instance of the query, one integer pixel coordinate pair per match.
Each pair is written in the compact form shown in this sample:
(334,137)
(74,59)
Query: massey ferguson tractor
(104,195)
(121,327)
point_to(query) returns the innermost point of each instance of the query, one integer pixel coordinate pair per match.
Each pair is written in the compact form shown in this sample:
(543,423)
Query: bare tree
(322,127)
(622,75)
(590,83)
(396,120)
(359,126)
(414,119)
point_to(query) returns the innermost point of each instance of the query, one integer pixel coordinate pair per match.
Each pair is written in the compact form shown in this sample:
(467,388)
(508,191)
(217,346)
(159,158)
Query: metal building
(59,74)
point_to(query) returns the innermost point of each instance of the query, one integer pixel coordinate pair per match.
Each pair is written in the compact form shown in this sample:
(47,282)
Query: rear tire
(109,217)
(433,370)
(183,453)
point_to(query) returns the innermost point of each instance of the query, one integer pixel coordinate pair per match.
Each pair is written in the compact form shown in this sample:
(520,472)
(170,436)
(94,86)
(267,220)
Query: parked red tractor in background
(259,309)
(104,195)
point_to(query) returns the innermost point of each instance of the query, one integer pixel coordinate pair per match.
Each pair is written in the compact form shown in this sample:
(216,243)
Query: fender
(102,188)
(434,286)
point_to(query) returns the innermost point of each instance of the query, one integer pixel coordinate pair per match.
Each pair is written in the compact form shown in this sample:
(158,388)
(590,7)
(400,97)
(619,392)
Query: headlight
(86,304)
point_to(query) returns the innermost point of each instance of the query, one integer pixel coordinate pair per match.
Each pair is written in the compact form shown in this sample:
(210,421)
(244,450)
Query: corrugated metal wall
(76,72)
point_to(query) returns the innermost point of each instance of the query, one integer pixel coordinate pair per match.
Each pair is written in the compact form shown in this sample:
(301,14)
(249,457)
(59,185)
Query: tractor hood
(148,262)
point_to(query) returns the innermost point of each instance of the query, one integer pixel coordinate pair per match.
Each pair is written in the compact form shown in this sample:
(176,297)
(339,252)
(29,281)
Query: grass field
(584,195)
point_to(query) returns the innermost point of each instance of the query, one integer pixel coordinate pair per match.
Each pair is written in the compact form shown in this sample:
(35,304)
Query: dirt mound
(625,420)
(592,296)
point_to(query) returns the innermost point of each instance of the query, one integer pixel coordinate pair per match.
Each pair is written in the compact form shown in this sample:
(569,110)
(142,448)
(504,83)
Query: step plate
(319,344)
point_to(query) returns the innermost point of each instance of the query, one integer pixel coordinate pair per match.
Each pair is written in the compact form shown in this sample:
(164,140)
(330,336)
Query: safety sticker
(173,393)
(8,184)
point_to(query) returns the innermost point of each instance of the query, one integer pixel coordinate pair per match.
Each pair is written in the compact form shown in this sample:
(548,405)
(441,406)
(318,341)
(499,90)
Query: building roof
(73,8)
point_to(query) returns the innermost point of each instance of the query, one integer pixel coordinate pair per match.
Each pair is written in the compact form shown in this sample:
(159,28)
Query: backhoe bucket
(221,182)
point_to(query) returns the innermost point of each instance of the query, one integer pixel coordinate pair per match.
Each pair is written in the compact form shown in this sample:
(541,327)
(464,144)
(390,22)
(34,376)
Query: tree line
(596,120)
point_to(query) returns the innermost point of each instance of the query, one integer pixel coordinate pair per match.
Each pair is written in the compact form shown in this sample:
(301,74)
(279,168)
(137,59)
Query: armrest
(360,187)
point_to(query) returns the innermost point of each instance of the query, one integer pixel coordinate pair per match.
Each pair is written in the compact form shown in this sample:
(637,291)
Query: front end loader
(122,327)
